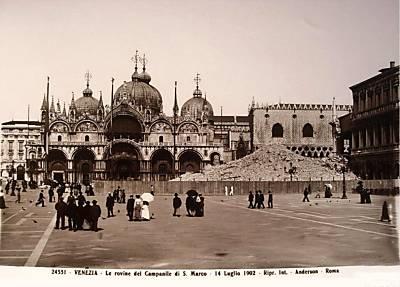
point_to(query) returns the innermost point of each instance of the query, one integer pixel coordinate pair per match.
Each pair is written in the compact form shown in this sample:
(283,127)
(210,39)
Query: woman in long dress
(138,208)
(2,200)
(145,211)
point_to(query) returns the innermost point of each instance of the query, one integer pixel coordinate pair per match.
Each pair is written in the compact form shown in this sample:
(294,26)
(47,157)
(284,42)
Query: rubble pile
(273,162)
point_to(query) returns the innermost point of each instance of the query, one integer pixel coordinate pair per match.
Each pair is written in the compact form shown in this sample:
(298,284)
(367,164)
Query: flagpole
(46,129)
(112,107)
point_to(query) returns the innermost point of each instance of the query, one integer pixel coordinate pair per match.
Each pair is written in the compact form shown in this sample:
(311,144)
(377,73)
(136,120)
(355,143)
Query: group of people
(77,214)
(365,194)
(194,205)
(119,195)
(137,209)
(257,200)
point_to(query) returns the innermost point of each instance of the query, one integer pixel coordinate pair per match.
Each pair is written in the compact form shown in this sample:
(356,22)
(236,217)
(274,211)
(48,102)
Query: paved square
(323,232)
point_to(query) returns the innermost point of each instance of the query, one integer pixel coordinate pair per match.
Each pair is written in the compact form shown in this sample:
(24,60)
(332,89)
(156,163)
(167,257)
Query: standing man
(360,190)
(110,205)
(251,198)
(270,204)
(176,203)
(71,212)
(51,194)
(95,214)
(61,208)
(306,195)
(129,207)
(226,190)
(262,199)
(81,198)
(257,200)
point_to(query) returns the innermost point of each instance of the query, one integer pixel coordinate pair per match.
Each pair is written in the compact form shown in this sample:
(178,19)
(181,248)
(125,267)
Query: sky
(289,51)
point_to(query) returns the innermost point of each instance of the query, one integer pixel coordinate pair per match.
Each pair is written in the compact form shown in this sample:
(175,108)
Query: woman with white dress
(145,211)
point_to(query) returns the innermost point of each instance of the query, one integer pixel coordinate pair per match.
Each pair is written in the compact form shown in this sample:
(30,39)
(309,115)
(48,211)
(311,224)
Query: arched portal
(125,126)
(20,172)
(123,161)
(83,165)
(277,131)
(189,161)
(162,164)
(57,165)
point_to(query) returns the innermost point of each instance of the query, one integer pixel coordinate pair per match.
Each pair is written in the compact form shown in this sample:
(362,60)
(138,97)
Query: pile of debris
(273,162)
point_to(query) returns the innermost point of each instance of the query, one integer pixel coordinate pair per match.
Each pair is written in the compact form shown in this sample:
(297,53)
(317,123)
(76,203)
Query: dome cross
(135,59)
(144,61)
(197,80)
(88,76)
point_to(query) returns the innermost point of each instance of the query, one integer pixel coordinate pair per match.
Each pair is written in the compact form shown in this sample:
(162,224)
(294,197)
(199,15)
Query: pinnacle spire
(101,100)
(72,106)
(176,108)
(58,106)
(44,103)
(64,112)
(52,108)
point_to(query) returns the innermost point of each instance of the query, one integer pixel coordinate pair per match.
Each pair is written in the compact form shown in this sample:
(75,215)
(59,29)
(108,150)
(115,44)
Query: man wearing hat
(176,203)
(130,207)
(110,205)
(95,214)
(61,208)
(360,189)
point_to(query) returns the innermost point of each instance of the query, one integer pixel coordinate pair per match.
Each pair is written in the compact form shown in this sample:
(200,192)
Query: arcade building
(132,138)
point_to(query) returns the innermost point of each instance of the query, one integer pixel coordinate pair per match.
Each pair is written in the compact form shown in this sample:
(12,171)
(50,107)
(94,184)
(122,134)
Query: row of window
(277,131)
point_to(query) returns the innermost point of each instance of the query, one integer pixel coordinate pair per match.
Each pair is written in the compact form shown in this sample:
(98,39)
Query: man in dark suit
(130,206)
(110,205)
(95,213)
(176,203)
(61,208)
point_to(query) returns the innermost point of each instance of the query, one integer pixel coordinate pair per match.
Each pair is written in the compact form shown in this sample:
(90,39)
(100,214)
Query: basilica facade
(130,139)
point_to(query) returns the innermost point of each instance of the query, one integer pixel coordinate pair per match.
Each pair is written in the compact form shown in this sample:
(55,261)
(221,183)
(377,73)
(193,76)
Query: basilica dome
(87,104)
(139,93)
(196,106)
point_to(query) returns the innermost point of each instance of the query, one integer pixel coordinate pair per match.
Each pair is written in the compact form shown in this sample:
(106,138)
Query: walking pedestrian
(231,191)
(270,199)
(138,208)
(251,198)
(226,191)
(145,211)
(95,214)
(262,199)
(130,207)
(40,199)
(110,205)
(257,200)
(176,203)
(122,198)
(306,195)
(385,212)
(18,188)
(61,208)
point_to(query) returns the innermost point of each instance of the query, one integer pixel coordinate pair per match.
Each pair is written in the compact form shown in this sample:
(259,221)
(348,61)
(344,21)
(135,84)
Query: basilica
(130,139)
